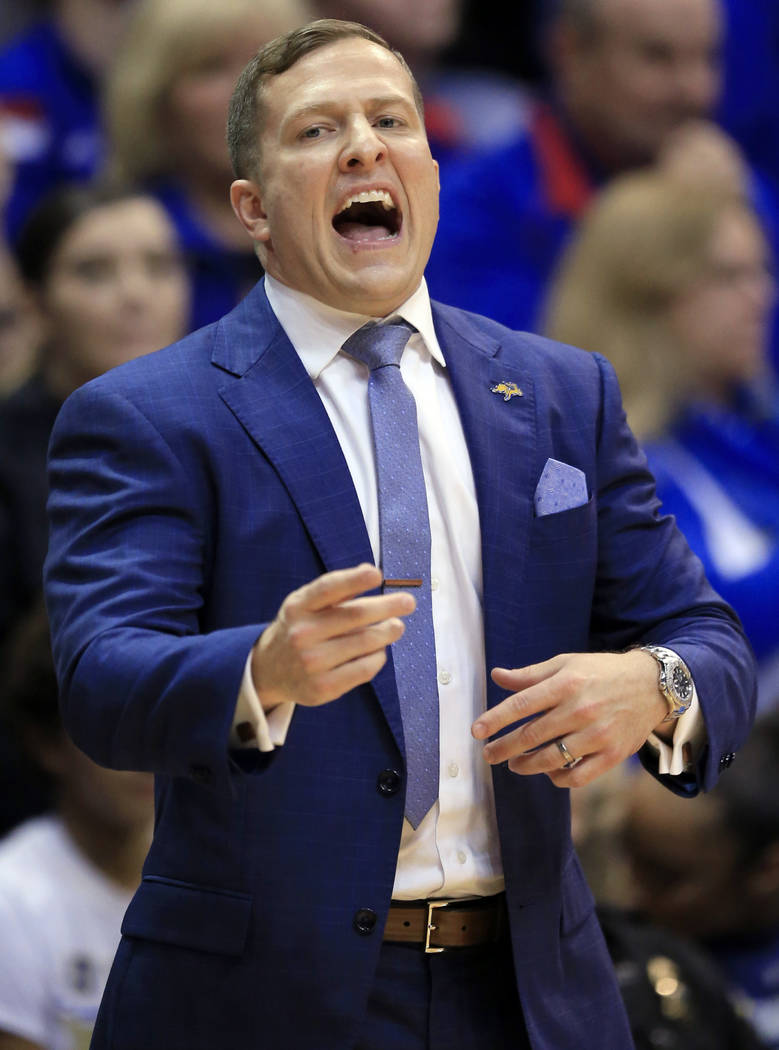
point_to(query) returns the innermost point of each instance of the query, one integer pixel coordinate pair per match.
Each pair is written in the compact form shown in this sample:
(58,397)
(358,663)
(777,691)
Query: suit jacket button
(388,783)
(201,774)
(365,921)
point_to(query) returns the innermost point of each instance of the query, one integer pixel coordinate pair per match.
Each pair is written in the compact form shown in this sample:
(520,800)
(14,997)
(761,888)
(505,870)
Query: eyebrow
(327,104)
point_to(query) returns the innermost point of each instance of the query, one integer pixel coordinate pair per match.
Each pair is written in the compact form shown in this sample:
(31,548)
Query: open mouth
(368,216)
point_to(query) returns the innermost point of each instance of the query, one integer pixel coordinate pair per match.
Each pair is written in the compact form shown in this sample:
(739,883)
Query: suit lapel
(501,438)
(269,391)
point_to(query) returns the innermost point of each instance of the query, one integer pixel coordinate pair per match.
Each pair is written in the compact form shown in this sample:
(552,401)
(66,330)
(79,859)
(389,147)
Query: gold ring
(569,760)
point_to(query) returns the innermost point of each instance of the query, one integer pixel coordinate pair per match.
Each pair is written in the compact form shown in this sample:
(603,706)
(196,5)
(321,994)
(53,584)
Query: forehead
(117,223)
(352,70)
(673,20)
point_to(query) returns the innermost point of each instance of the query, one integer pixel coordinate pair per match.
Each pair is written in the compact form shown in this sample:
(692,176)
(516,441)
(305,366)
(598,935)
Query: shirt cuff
(689,738)
(252,725)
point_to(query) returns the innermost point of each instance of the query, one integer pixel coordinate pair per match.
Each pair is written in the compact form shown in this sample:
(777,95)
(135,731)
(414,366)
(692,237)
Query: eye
(162,264)
(314,132)
(388,122)
(94,270)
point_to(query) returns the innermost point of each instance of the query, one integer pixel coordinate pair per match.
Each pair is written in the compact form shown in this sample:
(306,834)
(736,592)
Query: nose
(134,284)
(363,147)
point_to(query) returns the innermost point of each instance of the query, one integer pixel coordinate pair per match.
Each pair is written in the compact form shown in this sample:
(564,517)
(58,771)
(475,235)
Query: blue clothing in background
(219,276)
(507,214)
(49,118)
(752,968)
(718,474)
(749,107)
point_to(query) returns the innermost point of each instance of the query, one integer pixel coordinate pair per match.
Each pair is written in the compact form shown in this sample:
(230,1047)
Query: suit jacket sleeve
(646,566)
(143,683)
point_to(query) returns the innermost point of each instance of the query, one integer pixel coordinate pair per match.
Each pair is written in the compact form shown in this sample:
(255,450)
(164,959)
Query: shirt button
(453,769)
(462,856)
(444,677)
(434,583)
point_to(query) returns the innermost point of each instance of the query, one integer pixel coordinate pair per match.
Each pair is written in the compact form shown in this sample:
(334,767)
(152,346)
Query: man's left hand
(603,706)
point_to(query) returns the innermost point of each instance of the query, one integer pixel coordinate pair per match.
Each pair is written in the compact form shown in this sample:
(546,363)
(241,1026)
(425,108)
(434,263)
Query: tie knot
(377,345)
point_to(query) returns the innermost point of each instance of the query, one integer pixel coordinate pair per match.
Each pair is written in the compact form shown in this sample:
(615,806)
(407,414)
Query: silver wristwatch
(673,680)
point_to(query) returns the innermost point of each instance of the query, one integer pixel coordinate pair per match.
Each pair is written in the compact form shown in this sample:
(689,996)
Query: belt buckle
(431,926)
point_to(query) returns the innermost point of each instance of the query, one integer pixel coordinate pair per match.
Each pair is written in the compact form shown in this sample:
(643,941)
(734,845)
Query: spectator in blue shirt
(625,75)
(50,77)
(104,268)
(675,288)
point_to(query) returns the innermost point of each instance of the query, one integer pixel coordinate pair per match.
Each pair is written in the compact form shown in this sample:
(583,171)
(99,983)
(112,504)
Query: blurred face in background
(721,321)
(115,289)
(686,867)
(419,29)
(93,28)
(646,67)
(195,110)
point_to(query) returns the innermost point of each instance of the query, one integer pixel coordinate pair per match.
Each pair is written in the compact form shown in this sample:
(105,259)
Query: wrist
(658,705)
(261,683)
(674,682)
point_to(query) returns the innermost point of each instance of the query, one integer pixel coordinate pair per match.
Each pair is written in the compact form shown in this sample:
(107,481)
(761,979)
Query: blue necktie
(405,549)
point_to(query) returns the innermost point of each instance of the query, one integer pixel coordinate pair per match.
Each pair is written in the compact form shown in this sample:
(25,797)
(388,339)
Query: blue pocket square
(560,487)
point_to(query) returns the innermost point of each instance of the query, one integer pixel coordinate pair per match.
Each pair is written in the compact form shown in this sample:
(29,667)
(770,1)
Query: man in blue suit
(218,618)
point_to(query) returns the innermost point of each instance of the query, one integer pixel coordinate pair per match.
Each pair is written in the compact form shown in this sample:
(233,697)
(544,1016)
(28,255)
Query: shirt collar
(318,331)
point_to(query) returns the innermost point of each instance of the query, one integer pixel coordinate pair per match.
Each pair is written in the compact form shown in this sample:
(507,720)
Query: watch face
(681,684)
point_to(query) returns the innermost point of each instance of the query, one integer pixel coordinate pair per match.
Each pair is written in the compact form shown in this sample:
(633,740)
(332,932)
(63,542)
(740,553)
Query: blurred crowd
(610,178)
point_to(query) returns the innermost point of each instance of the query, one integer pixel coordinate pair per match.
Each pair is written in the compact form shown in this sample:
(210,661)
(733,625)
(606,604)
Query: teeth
(368,197)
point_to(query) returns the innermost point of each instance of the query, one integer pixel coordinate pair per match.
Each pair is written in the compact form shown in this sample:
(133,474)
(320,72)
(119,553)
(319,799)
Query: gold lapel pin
(506,388)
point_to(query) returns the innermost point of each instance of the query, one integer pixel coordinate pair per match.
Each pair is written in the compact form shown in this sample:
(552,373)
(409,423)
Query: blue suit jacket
(191,491)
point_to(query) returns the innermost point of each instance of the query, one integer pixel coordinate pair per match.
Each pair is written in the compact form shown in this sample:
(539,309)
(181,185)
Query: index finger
(532,696)
(340,585)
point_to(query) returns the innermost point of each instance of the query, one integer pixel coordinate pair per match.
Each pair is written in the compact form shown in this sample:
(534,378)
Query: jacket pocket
(189,916)
(572,520)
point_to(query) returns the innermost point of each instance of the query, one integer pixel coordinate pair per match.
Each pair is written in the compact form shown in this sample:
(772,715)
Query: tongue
(356,231)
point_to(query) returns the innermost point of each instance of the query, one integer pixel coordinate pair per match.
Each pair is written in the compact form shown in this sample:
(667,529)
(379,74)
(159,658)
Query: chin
(384,293)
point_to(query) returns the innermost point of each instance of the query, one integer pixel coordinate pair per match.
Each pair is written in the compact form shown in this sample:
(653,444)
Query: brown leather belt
(436,925)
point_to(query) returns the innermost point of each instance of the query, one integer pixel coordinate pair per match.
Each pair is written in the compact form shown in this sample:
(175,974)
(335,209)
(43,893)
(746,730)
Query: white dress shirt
(454,852)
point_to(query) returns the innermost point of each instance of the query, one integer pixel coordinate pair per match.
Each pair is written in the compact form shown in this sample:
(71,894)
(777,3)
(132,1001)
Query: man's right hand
(327,638)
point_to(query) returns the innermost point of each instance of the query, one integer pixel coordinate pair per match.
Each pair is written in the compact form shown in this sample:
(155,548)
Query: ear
(246,199)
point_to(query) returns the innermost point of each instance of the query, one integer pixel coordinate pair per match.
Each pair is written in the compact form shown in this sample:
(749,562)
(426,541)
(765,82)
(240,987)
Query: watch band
(673,680)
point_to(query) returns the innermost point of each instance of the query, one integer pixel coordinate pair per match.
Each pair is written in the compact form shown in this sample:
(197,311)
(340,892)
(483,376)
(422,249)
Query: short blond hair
(643,242)
(164,40)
